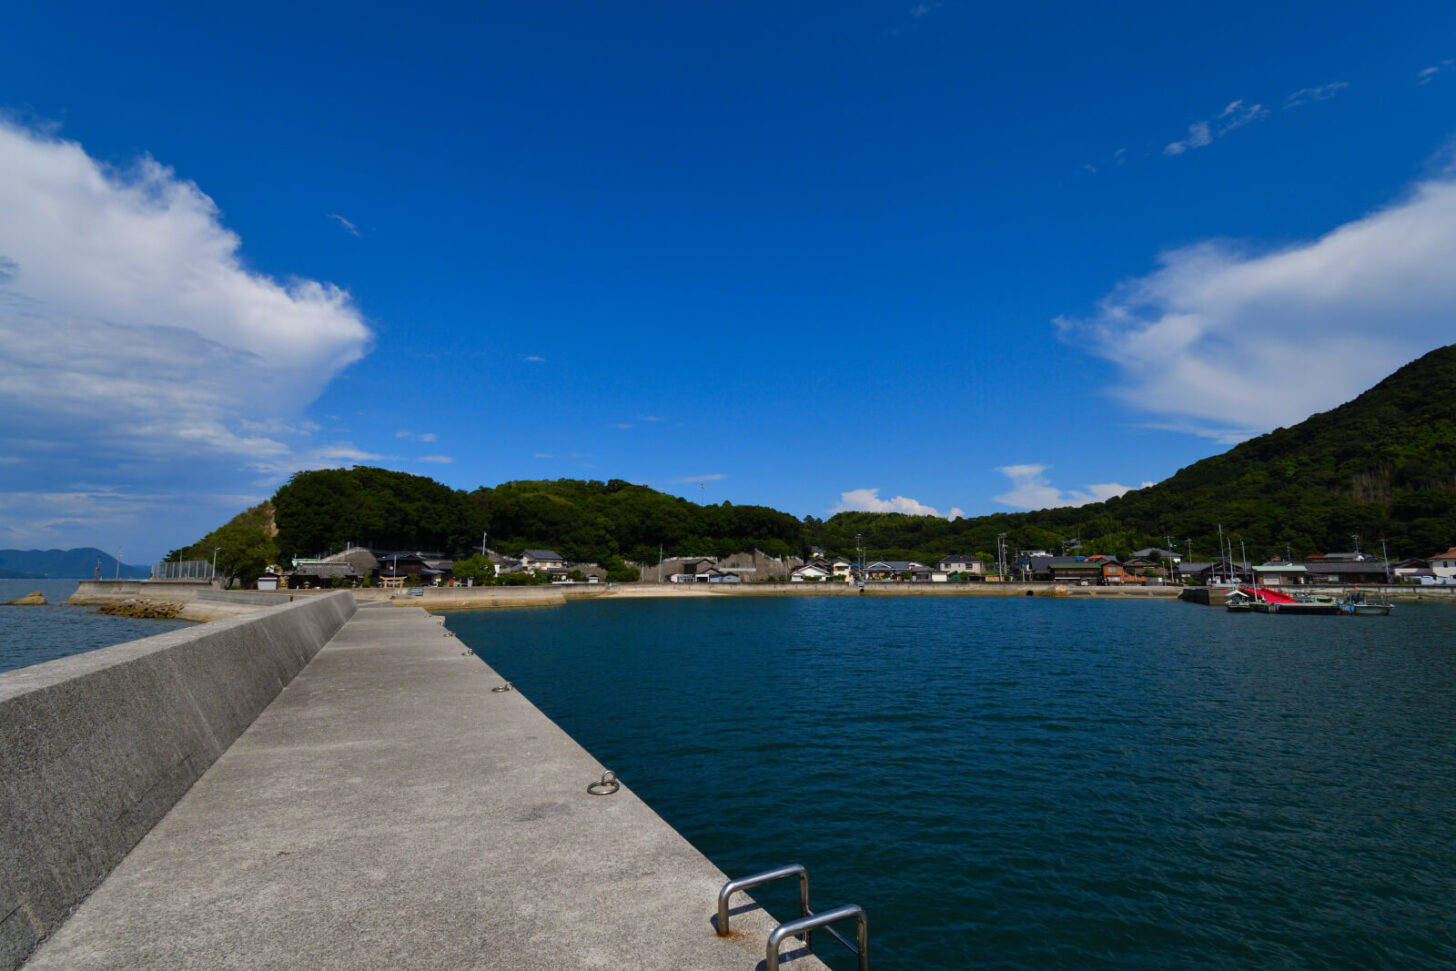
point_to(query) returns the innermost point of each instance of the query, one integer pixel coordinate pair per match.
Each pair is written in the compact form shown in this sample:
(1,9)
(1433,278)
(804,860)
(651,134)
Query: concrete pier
(389,809)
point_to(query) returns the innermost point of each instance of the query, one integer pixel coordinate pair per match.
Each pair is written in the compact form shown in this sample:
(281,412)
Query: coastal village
(361,567)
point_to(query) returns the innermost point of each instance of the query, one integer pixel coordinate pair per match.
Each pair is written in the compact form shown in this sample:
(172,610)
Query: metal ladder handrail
(805,925)
(808,920)
(746,883)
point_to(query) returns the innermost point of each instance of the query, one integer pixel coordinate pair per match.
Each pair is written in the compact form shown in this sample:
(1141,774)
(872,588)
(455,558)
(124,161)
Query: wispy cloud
(416,436)
(621,424)
(1323,92)
(692,479)
(868,500)
(1031,489)
(651,418)
(1231,343)
(349,227)
(542,455)
(437,459)
(1427,75)
(1199,135)
(1235,115)
(135,335)
(534,358)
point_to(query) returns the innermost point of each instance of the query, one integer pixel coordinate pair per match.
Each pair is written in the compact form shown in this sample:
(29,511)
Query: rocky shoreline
(144,609)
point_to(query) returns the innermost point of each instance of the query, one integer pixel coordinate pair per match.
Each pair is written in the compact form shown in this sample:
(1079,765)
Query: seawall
(98,747)
(481,598)
(184,599)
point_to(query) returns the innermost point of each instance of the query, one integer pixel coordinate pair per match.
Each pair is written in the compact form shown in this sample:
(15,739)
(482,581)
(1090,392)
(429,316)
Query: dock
(390,808)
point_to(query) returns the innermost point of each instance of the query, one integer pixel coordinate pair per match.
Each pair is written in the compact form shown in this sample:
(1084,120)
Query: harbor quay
(387,806)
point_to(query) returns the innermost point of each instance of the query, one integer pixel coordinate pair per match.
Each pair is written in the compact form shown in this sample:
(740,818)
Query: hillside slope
(1382,466)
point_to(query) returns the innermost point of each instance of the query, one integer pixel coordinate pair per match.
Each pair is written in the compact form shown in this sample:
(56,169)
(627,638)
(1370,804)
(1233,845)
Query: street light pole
(214,561)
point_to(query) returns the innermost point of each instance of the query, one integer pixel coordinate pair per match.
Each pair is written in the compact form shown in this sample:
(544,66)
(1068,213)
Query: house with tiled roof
(1444,564)
(537,561)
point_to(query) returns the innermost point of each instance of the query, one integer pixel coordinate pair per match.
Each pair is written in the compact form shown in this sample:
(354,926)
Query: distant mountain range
(65,565)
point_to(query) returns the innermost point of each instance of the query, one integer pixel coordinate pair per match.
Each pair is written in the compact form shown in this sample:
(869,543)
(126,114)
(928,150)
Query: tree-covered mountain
(1382,466)
(78,564)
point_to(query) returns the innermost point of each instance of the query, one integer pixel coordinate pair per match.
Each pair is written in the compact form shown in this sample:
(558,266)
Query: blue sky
(946,257)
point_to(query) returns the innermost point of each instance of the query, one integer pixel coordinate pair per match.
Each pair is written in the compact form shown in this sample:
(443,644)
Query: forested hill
(1382,466)
(322,511)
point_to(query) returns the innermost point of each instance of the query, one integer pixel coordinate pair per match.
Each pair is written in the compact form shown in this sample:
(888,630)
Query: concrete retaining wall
(96,748)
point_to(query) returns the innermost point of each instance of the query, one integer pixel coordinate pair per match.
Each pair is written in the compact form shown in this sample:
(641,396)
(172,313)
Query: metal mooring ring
(502,687)
(606,787)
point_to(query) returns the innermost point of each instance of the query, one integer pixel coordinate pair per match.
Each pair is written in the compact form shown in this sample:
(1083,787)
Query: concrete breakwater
(390,809)
(97,747)
(184,600)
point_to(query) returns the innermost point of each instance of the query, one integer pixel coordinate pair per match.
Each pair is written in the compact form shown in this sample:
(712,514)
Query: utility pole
(1243,555)
(118,563)
(1385,558)
(659,562)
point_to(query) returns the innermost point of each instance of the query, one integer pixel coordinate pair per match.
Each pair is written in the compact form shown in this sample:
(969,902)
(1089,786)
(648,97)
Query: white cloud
(1230,344)
(542,455)
(416,436)
(1198,136)
(349,227)
(868,500)
(1235,115)
(1323,92)
(534,358)
(438,459)
(1030,489)
(1427,75)
(138,345)
(692,479)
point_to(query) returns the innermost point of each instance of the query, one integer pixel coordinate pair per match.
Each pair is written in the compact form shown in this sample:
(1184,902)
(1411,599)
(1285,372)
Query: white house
(1444,564)
(811,571)
(537,560)
(956,563)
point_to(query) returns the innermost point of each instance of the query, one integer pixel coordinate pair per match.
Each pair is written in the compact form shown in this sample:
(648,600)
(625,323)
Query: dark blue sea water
(1019,783)
(30,635)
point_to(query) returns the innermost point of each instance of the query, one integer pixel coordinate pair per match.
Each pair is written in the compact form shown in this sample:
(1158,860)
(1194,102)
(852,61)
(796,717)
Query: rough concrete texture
(390,810)
(96,748)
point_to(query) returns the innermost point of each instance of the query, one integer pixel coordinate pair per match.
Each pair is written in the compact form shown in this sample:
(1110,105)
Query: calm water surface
(1013,783)
(30,635)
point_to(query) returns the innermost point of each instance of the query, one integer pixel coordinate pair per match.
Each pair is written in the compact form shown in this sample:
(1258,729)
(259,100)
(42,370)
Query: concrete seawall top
(390,810)
(97,747)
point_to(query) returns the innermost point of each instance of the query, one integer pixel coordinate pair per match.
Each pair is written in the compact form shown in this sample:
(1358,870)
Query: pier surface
(389,810)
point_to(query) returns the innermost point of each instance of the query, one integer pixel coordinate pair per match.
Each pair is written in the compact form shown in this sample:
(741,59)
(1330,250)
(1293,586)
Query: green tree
(478,570)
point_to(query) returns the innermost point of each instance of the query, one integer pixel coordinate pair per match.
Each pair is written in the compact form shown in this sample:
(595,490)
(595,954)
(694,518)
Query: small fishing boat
(1356,604)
